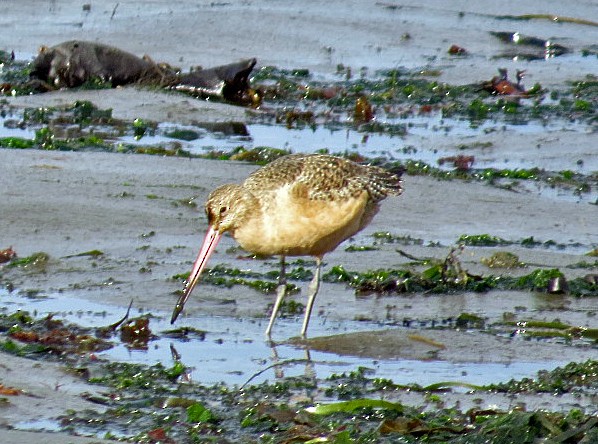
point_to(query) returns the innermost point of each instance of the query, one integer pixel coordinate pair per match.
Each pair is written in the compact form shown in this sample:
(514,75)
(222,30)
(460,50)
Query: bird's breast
(291,225)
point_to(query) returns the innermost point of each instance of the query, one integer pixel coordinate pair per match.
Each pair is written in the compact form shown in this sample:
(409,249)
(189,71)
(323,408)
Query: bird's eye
(223,210)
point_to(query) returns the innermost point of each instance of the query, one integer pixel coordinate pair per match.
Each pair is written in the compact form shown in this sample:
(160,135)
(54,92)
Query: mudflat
(134,208)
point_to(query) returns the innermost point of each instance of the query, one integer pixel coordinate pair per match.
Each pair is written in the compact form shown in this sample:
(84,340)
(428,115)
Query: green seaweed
(354,404)
(551,329)
(384,237)
(561,380)
(470,320)
(91,253)
(140,128)
(223,276)
(258,155)
(550,17)
(168,151)
(16,142)
(584,264)
(503,259)
(18,349)
(121,375)
(481,240)
(37,260)
(198,413)
(580,183)
(360,248)
(448,277)
(85,112)
(538,279)
(183,134)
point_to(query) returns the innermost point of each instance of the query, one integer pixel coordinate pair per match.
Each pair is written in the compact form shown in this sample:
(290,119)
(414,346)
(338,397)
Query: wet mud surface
(113,227)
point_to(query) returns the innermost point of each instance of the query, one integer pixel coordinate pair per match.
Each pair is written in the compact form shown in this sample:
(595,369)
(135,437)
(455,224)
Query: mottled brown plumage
(325,177)
(297,205)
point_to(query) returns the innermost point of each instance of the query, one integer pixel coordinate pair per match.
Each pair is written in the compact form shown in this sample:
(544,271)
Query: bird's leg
(280,293)
(312,289)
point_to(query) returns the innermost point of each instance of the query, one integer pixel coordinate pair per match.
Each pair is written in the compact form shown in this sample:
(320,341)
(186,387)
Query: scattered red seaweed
(159,436)
(363,110)
(462,163)
(7,255)
(457,50)
(501,85)
(136,332)
(9,391)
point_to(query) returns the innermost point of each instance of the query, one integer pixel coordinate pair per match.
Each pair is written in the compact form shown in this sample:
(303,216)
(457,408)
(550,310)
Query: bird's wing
(324,177)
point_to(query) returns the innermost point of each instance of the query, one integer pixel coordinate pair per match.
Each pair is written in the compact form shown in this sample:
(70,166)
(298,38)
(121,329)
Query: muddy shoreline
(315,36)
(83,208)
(135,208)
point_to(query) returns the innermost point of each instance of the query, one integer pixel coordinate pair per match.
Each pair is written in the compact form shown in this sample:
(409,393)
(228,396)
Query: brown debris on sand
(73,63)
(501,85)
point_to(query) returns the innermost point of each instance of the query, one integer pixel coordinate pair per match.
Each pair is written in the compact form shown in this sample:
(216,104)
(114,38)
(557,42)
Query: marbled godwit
(298,205)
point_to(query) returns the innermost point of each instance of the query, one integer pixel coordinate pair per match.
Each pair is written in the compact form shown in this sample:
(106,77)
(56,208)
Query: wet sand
(315,35)
(68,203)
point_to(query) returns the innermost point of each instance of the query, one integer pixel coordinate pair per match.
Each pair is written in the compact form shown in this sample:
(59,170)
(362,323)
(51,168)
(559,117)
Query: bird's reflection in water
(275,364)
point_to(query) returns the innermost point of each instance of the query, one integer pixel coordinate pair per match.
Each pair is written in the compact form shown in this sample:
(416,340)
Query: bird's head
(227,207)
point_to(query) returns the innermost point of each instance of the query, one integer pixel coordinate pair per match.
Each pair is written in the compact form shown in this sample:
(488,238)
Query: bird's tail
(382,182)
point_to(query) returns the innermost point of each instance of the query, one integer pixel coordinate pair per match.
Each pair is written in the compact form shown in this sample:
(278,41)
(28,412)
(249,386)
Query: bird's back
(324,177)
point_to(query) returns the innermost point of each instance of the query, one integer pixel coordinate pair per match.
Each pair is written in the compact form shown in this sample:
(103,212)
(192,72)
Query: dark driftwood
(229,81)
(73,63)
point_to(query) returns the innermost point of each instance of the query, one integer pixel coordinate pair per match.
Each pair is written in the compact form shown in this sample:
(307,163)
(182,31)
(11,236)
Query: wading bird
(298,205)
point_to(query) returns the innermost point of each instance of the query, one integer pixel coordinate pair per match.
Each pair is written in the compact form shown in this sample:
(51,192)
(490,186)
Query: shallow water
(426,138)
(423,142)
(239,346)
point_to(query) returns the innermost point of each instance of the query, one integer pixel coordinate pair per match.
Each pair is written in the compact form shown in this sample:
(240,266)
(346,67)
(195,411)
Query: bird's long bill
(209,243)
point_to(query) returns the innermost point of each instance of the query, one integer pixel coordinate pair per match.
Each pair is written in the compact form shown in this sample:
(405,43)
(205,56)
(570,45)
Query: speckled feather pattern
(324,177)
